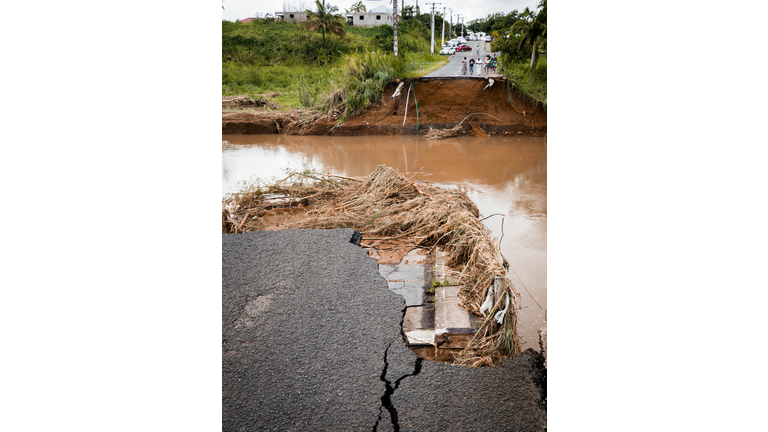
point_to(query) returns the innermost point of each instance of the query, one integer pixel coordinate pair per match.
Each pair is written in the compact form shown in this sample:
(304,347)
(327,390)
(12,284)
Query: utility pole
(458,17)
(450,25)
(442,32)
(432,43)
(394,24)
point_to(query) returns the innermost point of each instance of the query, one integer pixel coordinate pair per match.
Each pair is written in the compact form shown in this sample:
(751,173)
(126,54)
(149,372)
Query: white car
(488,38)
(448,50)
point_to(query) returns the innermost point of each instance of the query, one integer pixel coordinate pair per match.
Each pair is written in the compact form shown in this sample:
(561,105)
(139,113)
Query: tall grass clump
(359,81)
(305,94)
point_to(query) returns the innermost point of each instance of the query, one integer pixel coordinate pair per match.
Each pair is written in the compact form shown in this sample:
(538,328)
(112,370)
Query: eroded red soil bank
(442,103)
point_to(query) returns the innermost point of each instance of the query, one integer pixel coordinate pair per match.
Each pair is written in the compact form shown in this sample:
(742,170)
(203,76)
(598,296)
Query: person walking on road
(464,66)
(471,66)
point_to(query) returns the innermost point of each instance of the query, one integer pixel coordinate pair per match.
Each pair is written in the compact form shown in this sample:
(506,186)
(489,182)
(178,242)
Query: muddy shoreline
(481,107)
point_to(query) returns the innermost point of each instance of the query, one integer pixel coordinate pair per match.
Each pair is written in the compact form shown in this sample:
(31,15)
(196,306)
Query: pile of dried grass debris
(436,134)
(387,205)
(262,100)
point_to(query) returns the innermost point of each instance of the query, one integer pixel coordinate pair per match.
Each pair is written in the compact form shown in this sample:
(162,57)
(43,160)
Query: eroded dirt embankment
(439,103)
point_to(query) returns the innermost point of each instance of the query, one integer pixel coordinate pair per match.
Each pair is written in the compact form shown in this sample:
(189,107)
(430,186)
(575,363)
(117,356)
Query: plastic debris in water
(500,314)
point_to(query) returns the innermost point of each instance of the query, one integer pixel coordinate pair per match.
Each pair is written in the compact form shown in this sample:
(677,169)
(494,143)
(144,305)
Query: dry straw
(387,205)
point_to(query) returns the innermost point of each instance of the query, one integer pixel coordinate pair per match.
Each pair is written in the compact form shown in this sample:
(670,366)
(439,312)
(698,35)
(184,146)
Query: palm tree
(531,27)
(325,19)
(358,7)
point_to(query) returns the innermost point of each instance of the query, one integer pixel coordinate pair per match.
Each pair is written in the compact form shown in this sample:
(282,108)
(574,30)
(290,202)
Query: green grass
(532,84)
(426,64)
(347,74)
(253,79)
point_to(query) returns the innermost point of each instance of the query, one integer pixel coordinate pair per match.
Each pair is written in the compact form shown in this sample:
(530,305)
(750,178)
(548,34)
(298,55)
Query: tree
(358,7)
(325,19)
(531,27)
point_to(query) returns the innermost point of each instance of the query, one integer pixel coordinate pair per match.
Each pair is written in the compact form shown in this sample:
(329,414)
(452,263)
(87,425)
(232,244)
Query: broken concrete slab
(442,272)
(543,343)
(418,318)
(420,337)
(448,314)
(409,278)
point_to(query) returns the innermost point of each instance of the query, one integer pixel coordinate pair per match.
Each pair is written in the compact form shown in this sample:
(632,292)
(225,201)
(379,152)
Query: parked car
(463,48)
(447,51)
(488,38)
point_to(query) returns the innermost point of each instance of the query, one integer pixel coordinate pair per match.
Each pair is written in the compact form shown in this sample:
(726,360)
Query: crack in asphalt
(386,399)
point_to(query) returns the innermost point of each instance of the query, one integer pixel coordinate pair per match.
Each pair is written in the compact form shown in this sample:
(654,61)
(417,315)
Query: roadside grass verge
(423,65)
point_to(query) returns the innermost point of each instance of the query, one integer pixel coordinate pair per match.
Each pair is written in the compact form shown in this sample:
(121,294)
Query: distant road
(453,67)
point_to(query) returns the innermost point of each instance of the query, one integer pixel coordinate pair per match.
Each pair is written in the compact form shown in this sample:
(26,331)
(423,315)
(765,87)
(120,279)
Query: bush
(532,84)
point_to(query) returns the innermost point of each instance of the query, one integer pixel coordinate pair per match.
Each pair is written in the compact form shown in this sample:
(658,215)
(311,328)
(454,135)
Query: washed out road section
(312,341)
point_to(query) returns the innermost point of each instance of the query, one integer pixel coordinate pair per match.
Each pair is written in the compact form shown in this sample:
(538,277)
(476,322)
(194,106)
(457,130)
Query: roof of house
(381,8)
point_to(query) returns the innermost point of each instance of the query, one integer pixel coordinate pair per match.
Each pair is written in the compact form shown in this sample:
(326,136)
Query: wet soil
(442,103)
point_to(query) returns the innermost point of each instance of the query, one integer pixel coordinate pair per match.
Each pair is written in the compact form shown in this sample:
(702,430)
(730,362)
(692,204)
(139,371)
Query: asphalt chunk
(306,321)
(444,397)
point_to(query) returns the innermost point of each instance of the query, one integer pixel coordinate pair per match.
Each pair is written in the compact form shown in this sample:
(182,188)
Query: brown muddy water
(505,175)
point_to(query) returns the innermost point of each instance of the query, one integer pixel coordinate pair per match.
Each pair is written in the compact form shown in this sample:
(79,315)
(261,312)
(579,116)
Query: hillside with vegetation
(312,70)
(326,65)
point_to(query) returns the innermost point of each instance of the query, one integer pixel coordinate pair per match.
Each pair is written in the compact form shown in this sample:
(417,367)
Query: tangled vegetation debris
(246,101)
(387,205)
(436,134)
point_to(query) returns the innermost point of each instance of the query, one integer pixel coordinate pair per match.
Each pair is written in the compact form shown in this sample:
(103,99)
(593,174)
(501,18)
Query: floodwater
(505,175)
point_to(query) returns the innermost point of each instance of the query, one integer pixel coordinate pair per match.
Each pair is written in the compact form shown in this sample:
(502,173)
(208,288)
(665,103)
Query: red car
(463,48)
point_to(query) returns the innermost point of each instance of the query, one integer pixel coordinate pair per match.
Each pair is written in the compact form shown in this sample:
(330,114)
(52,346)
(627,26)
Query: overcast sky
(239,9)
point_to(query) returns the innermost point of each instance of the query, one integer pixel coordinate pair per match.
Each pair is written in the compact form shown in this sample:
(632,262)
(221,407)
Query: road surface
(453,67)
(312,341)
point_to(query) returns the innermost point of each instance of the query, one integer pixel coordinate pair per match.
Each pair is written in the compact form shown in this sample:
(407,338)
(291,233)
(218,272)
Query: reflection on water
(501,175)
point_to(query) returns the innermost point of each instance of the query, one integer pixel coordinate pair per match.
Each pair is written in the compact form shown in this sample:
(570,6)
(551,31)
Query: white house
(369,19)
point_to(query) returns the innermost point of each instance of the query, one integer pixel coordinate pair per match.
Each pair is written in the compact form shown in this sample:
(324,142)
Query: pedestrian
(464,66)
(479,65)
(487,63)
(471,66)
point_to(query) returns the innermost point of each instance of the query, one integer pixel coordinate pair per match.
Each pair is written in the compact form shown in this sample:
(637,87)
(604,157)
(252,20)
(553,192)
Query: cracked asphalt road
(312,340)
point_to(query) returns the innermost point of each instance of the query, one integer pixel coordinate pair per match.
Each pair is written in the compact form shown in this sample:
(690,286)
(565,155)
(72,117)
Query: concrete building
(291,17)
(369,19)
